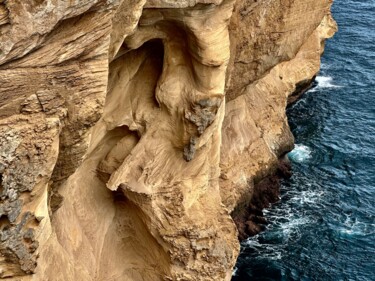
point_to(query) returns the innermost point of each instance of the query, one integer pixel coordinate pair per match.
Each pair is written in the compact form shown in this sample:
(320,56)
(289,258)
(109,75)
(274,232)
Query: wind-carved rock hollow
(134,133)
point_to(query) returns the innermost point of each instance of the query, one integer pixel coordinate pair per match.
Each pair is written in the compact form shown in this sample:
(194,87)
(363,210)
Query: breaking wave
(323,82)
(300,153)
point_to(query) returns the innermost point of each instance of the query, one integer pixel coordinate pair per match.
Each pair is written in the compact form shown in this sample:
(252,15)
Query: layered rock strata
(131,130)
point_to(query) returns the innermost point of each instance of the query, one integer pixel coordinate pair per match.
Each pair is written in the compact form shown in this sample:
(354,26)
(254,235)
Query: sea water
(323,227)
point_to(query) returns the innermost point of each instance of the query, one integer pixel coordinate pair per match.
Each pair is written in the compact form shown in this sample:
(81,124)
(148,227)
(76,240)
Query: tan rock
(255,129)
(129,130)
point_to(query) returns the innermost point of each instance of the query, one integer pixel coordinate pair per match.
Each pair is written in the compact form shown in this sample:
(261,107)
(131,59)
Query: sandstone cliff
(130,130)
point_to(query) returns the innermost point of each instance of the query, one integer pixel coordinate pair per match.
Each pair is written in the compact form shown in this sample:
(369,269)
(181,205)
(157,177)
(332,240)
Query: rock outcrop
(131,130)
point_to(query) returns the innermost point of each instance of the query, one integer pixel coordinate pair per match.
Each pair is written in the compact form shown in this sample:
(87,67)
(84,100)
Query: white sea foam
(324,82)
(356,228)
(300,153)
(268,251)
(307,197)
(292,227)
(234,273)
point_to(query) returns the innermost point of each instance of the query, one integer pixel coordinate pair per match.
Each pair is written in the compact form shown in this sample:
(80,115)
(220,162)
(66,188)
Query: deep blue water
(323,228)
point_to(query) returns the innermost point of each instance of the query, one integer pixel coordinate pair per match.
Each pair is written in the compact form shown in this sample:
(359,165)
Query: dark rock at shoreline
(250,220)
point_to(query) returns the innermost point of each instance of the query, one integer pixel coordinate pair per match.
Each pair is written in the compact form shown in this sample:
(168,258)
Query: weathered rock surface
(130,130)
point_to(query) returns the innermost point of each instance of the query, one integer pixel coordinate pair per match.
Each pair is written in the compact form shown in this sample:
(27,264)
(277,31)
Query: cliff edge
(131,130)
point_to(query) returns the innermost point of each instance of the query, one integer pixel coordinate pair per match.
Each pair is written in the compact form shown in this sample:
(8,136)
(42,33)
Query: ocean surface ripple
(323,227)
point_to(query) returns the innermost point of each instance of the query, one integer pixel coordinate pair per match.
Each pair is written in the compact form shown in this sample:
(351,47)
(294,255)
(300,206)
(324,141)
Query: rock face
(131,130)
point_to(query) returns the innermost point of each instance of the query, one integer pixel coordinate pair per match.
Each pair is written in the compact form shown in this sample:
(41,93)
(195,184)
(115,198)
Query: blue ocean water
(323,228)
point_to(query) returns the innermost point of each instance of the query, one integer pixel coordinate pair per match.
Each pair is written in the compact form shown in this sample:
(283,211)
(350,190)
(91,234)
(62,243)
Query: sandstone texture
(132,131)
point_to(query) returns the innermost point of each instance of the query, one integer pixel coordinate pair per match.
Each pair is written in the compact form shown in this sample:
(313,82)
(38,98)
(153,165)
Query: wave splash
(324,82)
(300,153)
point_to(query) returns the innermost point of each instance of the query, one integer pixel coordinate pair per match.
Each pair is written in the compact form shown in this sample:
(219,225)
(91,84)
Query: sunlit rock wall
(130,130)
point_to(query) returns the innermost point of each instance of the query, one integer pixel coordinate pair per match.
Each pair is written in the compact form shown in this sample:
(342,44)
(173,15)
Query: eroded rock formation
(131,130)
